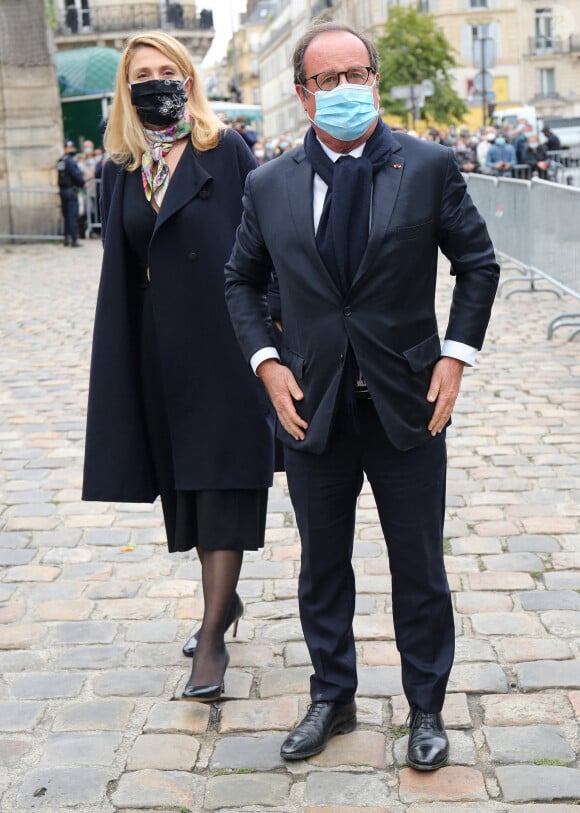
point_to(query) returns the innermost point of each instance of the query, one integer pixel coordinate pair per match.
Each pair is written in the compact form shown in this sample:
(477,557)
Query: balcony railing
(537,46)
(133,16)
(545,94)
(546,45)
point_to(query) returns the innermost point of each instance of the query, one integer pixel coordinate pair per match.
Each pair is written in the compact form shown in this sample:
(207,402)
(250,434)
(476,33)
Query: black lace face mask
(159,102)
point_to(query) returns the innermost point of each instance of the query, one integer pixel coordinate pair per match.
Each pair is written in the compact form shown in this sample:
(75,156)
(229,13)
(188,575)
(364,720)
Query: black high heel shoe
(207,693)
(236,611)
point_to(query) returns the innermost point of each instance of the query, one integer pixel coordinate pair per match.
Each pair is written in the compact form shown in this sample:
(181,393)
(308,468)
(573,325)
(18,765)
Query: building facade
(550,45)
(79,23)
(245,49)
(509,52)
(280,107)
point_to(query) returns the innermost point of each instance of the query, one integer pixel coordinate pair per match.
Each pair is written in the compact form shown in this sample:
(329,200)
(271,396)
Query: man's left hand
(443,391)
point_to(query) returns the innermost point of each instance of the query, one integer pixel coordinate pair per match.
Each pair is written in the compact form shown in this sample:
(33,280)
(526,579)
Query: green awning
(87,71)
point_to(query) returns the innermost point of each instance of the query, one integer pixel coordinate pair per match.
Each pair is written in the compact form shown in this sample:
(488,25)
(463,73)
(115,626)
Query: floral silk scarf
(154,170)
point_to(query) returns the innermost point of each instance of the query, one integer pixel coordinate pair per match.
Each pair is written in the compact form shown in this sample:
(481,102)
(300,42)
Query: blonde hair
(124,140)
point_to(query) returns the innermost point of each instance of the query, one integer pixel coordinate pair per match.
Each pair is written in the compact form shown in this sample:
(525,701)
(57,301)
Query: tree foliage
(413,49)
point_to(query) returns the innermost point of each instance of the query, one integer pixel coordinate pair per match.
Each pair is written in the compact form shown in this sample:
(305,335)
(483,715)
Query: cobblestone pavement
(94,611)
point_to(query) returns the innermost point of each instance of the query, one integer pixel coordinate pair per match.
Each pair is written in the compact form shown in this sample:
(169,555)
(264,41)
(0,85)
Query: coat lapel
(188,179)
(386,184)
(300,180)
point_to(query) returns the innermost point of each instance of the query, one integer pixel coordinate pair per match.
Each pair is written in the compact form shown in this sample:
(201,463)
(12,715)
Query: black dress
(231,519)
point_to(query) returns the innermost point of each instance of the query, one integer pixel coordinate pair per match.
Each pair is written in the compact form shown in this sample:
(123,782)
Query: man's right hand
(283,390)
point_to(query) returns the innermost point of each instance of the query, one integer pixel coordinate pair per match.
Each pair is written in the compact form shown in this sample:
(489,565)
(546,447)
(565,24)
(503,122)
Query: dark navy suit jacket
(420,206)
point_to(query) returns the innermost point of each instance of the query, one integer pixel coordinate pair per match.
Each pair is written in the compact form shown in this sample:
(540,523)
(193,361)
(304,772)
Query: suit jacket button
(192,256)
(347,311)
(204,194)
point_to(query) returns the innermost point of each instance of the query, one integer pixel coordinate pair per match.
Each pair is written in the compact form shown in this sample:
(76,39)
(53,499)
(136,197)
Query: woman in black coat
(174,410)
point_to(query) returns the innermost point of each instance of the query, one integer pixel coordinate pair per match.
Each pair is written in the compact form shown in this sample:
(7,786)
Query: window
(471,36)
(478,3)
(543,30)
(478,32)
(546,81)
(77,15)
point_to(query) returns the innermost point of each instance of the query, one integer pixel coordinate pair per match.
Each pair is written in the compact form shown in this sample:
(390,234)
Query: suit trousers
(69,201)
(409,491)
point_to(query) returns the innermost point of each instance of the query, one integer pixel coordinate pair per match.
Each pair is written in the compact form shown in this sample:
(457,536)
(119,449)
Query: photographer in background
(249,135)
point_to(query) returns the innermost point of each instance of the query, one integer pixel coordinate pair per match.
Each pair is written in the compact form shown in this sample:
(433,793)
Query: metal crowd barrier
(93,208)
(30,214)
(534,228)
(565,166)
(35,214)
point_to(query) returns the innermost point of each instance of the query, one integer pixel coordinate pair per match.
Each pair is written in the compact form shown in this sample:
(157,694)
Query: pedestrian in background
(259,152)
(552,141)
(465,154)
(173,408)
(536,157)
(240,125)
(501,156)
(70,181)
(352,223)
(482,149)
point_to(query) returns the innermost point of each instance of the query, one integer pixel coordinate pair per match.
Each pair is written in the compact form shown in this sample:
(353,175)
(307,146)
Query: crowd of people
(511,151)
(507,152)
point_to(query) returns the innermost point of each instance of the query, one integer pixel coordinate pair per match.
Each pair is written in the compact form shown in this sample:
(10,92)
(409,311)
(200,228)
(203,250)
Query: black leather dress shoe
(428,744)
(236,611)
(323,720)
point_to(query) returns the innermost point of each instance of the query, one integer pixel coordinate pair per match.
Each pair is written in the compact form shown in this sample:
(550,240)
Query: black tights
(220,570)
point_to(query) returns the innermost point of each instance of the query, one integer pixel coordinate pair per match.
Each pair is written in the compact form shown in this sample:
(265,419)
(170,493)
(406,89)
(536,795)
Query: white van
(567,129)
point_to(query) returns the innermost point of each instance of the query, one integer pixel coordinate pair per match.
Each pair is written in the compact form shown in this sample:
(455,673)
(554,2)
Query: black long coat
(220,421)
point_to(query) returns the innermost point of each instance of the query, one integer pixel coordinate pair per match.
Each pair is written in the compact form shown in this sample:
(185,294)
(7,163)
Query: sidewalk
(94,611)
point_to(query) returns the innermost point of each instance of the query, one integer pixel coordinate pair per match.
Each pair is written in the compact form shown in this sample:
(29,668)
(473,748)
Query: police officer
(70,180)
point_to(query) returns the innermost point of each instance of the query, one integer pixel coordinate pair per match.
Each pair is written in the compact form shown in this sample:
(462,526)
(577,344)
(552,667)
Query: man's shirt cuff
(261,355)
(460,351)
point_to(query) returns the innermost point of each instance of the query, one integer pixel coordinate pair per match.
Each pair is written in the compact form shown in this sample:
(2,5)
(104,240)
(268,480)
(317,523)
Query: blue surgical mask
(500,142)
(346,112)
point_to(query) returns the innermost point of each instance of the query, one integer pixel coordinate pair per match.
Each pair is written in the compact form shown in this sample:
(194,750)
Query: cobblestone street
(94,611)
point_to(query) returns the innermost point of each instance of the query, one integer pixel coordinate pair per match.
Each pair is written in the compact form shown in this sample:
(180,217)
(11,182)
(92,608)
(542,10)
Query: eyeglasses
(328,80)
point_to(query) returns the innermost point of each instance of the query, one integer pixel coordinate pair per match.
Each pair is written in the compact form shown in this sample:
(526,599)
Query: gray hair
(322,28)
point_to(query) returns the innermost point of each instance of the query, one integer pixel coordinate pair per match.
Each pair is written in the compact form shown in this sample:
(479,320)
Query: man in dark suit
(351,225)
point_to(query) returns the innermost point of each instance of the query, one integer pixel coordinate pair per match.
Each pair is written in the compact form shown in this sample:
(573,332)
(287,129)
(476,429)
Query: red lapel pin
(396,166)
